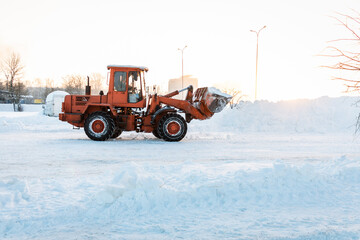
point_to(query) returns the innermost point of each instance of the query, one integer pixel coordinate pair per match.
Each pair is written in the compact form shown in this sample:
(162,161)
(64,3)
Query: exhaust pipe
(88,87)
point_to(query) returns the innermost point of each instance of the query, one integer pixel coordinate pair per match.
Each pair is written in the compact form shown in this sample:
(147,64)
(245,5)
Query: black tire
(172,127)
(156,133)
(99,126)
(117,132)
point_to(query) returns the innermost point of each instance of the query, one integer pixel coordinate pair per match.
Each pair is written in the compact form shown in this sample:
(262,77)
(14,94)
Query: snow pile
(231,185)
(216,91)
(216,100)
(298,116)
(185,200)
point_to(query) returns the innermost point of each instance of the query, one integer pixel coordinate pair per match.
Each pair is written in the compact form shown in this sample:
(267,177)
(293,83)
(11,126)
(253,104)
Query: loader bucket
(210,100)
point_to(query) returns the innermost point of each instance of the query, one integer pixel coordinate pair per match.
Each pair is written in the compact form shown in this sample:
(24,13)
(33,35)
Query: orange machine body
(127,107)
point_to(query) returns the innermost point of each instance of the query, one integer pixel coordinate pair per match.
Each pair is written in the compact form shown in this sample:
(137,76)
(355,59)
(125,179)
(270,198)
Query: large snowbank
(218,200)
(298,116)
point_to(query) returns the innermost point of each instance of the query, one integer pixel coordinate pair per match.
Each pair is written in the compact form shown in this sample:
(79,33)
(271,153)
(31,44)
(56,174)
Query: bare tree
(36,88)
(97,82)
(74,84)
(20,91)
(346,51)
(12,69)
(49,87)
(2,86)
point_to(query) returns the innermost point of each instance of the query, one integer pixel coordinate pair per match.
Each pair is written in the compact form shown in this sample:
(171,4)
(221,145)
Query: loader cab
(127,86)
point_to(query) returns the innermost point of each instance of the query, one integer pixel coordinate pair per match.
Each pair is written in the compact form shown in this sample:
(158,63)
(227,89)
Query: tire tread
(162,132)
(110,122)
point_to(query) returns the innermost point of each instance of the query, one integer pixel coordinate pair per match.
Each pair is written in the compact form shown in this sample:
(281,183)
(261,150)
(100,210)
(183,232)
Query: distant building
(152,89)
(8,97)
(176,84)
(5,96)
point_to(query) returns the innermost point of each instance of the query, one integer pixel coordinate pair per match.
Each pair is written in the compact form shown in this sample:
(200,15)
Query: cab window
(134,89)
(120,81)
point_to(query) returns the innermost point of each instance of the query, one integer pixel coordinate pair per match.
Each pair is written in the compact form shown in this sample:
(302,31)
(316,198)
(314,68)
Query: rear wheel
(172,127)
(99,126)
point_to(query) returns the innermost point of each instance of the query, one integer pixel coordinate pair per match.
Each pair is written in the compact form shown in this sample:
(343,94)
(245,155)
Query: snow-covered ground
(287,170)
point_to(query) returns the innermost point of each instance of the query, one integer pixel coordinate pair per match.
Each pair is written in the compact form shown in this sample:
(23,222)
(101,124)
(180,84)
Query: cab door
(118,91)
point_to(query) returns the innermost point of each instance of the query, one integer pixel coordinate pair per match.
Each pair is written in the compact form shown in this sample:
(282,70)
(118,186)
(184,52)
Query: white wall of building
(176,84)
(53,103)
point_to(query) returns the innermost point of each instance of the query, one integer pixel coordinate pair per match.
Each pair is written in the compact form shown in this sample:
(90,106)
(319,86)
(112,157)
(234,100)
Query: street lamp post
(182,67)
(257,56)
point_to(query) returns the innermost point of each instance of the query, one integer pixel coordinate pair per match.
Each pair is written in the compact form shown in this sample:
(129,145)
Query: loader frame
(129,108)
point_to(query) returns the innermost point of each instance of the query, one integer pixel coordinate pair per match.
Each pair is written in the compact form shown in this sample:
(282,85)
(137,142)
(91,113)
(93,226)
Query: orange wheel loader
(128,107)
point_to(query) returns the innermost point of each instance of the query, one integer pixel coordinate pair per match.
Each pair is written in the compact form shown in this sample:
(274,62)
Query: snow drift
(189,200)
(297,116)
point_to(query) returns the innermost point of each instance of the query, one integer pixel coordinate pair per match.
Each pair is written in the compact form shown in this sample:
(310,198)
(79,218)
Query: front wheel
(156,133)
(99,126)
(172,127)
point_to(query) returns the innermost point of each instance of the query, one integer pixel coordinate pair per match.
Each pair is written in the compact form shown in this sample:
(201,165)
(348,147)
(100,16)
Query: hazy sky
(56,38)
